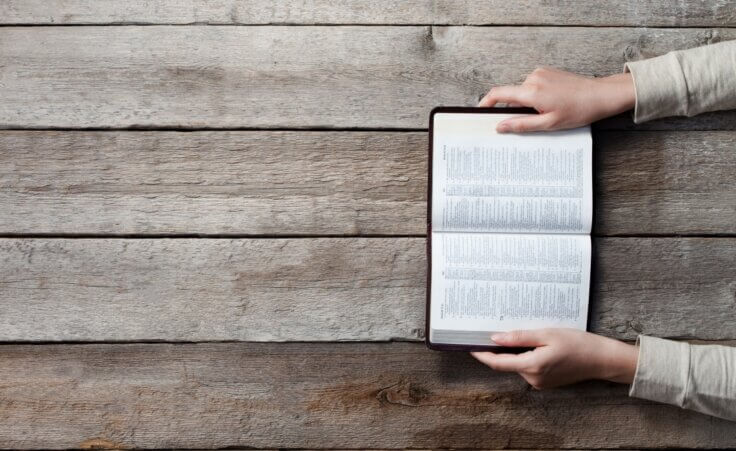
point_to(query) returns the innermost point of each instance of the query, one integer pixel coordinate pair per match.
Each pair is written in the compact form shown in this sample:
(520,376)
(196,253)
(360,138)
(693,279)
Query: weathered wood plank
(396,395)
(193,290)
(311,183)
(213,182)
(437,12)
(664,287)
(655,182)
(266,76)
(328,289)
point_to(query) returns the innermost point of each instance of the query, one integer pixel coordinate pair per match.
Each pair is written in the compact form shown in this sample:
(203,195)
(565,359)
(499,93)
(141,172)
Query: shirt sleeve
(685,82)
(697,377)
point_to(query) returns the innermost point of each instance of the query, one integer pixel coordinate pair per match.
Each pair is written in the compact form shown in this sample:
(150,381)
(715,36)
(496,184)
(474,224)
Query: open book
(510,217)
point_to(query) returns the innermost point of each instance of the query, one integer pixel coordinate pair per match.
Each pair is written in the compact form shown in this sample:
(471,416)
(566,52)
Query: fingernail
(498,337)
(503,128)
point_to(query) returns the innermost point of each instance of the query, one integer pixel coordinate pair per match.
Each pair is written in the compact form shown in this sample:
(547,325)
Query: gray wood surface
(161,396)
(110,236)
(280,76)
(323,289)
(213,182)
(659,182)
(438,12)
(192,290)
(334,183)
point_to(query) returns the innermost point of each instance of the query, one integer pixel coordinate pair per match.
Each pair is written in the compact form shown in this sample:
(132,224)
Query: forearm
(697,377)
(685,82)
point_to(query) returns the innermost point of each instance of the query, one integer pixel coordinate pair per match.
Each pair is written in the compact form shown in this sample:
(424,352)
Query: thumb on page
(519,338)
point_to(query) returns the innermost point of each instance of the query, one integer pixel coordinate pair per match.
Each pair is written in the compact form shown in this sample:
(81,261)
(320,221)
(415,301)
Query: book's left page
(484,181)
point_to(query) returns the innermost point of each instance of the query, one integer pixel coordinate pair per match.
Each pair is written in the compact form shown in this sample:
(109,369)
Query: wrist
(617,361)
(617,93)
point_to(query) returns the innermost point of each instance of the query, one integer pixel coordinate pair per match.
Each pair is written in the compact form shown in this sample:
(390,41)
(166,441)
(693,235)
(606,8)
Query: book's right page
(484,181)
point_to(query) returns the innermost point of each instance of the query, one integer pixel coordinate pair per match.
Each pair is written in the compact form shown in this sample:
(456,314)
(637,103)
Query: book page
(484,181)
(498,282)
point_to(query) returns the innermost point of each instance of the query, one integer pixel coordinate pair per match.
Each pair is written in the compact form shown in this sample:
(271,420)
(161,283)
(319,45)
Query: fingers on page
(529,123)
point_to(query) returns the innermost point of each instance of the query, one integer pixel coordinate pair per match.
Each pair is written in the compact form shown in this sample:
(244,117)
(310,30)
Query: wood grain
(657,182)
(670,287)
(242,293)
(287,77)
(194,290)
(333,183)
(398,395)
(437,12)
(213,182)
(323,289)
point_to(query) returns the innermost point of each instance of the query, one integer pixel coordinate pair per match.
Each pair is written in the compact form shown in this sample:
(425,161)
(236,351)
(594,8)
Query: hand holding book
(564,100)
(675,84)
(562,356)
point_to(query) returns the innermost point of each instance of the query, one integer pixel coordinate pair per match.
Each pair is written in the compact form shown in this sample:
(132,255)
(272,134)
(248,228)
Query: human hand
(563,356)
(563,99)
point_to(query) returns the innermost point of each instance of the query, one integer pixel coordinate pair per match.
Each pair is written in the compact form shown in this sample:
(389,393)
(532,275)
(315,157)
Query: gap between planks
(621,123)
(236,236)
(284,343)
(353,24)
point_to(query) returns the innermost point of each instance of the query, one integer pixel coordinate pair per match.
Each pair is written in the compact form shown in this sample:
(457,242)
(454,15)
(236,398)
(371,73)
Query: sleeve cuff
(662,371)
(659,86)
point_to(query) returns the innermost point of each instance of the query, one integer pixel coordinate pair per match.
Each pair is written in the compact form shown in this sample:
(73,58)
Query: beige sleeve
(697,377)
(685,82)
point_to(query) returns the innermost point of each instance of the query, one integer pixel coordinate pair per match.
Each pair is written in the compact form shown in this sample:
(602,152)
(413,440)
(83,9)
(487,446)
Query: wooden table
(213,222)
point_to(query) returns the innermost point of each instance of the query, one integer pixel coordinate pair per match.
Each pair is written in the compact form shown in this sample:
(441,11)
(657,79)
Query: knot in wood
(403,393)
